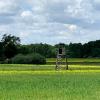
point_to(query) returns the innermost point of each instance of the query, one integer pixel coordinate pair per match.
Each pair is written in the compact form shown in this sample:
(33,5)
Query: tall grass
(49,86)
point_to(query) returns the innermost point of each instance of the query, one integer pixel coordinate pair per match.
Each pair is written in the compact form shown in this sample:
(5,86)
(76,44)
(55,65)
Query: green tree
(75,50)
(10,45)
(1,51)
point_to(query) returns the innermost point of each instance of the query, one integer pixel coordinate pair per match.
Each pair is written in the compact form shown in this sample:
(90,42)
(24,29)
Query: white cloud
(26,14)
(8,6)
(51,21)
(71,27)
(24,35)
(97,1)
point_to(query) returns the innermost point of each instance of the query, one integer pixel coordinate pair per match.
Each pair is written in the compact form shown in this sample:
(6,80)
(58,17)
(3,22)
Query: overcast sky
(51,21)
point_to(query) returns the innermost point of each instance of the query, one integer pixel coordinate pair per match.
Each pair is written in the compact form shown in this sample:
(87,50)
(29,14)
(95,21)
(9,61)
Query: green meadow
(76,59)
(50,85)
(26,67)
(42,82)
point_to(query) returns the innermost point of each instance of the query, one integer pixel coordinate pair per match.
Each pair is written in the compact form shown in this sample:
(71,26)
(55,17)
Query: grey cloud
(6,20)
(9,7)
(45,20)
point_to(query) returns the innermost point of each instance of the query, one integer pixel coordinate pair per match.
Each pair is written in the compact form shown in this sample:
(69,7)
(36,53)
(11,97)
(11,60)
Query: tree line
(10,46)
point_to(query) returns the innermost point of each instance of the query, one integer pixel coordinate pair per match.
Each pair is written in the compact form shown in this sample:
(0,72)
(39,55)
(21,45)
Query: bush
(28,59)
(38,59)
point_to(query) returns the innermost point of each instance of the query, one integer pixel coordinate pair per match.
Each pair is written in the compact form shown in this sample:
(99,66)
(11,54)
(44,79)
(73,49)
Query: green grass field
(23,67)
(76,59)
(42,82)
(49,85)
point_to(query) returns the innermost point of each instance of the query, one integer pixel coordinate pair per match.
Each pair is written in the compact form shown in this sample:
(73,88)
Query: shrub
(38,59)
(28,59)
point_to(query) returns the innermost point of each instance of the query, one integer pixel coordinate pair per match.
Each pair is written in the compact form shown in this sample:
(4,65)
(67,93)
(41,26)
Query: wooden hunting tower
(61,60)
